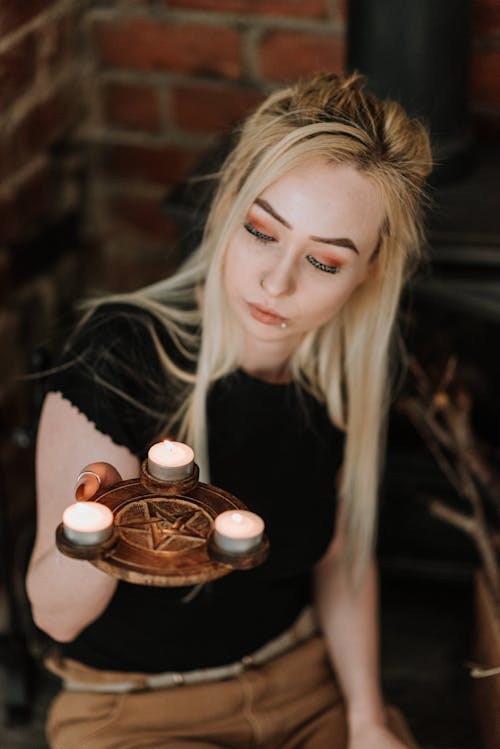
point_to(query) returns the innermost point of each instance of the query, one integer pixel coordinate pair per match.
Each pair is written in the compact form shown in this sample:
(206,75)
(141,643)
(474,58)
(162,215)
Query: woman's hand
(373,736)
(94,477)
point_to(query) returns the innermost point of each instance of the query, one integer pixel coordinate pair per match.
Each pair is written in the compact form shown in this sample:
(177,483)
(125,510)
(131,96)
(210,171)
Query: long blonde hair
(346,361)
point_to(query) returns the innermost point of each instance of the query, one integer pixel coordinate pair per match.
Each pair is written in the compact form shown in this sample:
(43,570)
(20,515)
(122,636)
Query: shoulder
(109,323)
(121,367)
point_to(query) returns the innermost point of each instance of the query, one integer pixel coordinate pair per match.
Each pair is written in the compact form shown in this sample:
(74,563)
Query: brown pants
(290,703)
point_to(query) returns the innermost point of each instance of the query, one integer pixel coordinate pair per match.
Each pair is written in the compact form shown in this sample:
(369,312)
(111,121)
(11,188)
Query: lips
(265,316)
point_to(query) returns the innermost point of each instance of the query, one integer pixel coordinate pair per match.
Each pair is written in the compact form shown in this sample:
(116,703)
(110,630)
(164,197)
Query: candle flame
(237,517)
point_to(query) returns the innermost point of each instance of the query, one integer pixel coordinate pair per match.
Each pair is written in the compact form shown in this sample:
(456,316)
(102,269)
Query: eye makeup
(322,266)
(254,227)
(259,235)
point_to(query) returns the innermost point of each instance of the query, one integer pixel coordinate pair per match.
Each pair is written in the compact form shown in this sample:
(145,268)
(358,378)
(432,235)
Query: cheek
(238,265)
(232,269)
(327,304)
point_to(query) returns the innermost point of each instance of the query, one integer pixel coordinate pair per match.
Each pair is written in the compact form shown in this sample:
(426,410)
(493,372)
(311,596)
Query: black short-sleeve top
(271,445)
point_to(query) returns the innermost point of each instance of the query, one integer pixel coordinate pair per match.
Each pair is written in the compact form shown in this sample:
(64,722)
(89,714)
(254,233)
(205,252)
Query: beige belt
(78,677)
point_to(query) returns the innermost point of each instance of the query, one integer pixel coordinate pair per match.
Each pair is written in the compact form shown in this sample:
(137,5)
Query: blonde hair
(345,363)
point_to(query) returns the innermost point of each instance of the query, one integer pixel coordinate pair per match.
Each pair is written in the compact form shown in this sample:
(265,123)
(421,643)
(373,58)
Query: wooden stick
(445,426)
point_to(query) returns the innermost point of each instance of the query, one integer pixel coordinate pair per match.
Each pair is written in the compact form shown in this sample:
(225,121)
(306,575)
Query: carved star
(165,525)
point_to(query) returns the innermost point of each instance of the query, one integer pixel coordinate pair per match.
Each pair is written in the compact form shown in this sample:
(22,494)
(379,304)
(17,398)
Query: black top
(271,445)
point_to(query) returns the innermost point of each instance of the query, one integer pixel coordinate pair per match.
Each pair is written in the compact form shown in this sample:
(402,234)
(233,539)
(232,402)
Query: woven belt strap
(303,628)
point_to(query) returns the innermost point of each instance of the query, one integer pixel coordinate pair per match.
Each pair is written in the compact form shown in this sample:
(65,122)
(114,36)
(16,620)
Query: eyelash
(260,237)
(321,266)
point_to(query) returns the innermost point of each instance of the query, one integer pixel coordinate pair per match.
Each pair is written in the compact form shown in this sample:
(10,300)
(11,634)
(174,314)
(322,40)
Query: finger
(93,477)
(87,484)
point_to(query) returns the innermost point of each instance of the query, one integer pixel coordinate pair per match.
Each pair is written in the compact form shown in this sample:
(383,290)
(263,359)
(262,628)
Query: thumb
(94,477)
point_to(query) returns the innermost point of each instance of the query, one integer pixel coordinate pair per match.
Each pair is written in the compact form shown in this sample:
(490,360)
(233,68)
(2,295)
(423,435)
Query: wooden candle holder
(163,533)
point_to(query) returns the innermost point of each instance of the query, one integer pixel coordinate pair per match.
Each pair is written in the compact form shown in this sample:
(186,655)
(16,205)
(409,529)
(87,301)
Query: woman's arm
(349,621)
(66,594)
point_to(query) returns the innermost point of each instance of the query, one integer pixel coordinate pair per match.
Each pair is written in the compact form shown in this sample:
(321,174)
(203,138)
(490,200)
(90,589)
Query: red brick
(486,18)
(141,45)
(297,8)
(211,110)
(485,76)
(342,9)
(17,69)
(285,56)
(43,125)
(163,164)
(132,106)
(144,215)
(15,13)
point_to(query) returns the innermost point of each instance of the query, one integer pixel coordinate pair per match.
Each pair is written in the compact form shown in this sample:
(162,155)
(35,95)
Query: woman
(268,352)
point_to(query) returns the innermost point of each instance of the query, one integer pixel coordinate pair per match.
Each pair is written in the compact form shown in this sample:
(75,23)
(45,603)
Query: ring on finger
(88,473)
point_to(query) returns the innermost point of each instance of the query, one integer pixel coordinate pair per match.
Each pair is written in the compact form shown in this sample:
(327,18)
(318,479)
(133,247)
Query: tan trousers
(290,703)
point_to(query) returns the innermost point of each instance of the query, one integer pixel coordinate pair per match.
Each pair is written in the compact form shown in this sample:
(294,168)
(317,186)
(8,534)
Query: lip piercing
(283,325)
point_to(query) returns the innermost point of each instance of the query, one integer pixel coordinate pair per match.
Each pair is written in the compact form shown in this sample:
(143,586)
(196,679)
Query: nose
(279,280)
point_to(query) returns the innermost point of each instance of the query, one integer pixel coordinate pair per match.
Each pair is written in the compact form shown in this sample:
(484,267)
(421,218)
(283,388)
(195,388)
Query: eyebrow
(339,241)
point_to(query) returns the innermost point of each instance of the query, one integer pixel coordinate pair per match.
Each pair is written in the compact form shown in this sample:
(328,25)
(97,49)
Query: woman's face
(303,248)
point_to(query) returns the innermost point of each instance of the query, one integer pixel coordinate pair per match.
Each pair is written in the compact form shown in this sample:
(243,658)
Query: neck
(268,361)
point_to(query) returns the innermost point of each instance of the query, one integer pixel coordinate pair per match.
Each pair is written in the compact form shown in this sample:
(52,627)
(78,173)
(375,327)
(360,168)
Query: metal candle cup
(170,461)
(238,531)
(87,523)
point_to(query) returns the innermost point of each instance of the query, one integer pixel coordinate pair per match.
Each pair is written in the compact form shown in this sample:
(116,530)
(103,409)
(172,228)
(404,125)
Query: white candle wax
(170,461)
(238,531)
(87,523)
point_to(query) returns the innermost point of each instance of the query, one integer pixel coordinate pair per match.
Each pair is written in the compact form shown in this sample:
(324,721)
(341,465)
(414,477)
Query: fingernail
(86,487)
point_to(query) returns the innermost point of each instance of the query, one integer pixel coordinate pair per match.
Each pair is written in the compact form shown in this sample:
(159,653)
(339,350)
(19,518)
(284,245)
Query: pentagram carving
(163,532)
(163,525)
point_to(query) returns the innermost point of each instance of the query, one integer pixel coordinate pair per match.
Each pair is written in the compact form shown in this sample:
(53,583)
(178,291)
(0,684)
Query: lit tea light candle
(238,531)
(170,461)
(87,523)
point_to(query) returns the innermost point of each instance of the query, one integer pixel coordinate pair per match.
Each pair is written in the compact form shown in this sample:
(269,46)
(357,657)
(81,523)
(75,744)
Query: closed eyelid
(323,267)
(261,219)
(251,229)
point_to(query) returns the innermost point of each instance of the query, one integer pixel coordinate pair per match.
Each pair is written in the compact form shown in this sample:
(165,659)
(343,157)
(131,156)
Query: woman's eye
(321,266)
(258,234)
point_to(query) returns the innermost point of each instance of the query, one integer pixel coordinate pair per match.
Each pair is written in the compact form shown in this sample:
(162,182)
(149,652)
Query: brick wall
(167,78)
(169,75)
(39,193)
(39,107)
